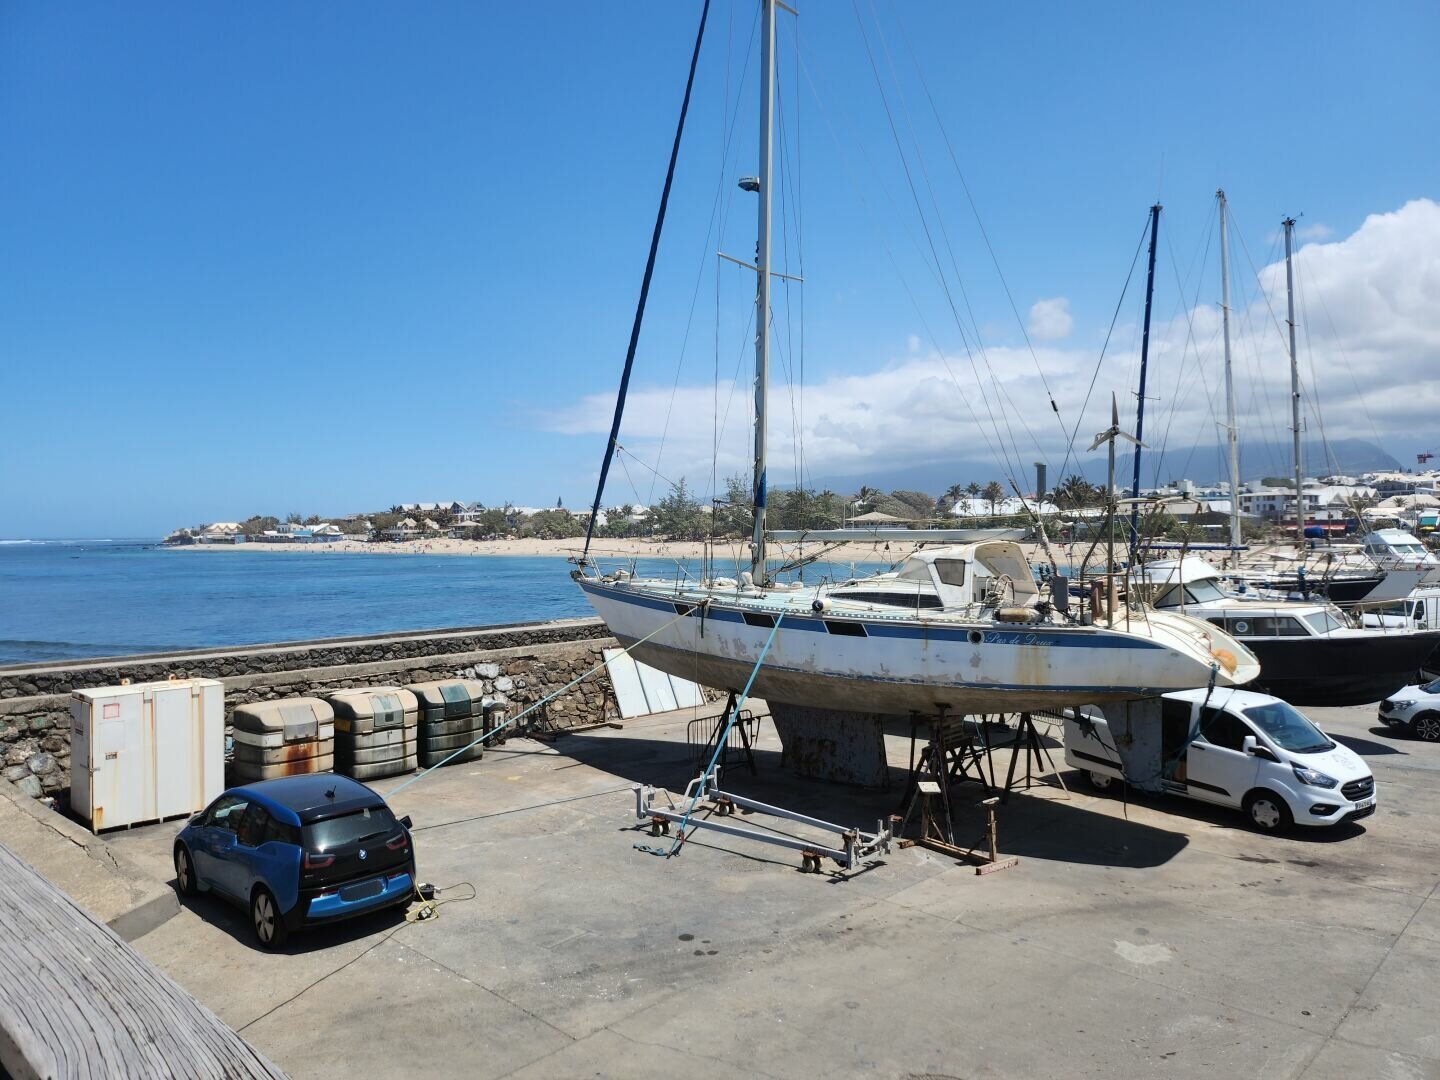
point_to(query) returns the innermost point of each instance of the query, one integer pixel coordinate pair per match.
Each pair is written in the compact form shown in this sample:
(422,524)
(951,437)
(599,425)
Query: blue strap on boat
(719,745)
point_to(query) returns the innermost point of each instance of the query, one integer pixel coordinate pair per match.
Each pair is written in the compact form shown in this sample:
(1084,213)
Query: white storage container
(146,751)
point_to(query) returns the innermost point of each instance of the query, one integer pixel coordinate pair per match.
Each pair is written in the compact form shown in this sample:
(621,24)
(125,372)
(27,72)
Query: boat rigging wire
(1010,466)
(645,283)
(975,210)
(1099,360)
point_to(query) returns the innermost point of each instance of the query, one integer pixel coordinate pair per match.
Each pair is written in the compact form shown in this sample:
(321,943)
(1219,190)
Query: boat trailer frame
(852,848)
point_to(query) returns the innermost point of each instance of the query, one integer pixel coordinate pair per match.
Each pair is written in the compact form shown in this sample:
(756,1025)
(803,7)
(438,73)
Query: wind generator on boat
(964,627)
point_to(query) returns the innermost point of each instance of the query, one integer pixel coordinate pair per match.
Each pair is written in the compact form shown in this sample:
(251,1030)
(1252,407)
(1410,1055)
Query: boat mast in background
(1289,224)
(1140,396)
(1232,432)
(762,284)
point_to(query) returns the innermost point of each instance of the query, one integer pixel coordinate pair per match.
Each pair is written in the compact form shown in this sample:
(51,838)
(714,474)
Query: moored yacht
(1310,652)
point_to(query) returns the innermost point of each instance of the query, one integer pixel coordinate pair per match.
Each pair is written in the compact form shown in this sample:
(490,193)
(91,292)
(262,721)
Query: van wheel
(1100,782)
(1426,726)
(265,918)
(1268,812)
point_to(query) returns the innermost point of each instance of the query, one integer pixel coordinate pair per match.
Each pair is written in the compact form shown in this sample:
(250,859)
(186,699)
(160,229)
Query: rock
(41,764)
(39,723)
(17,755)
(487,671)
(29,785)
(504,684)
(15,773)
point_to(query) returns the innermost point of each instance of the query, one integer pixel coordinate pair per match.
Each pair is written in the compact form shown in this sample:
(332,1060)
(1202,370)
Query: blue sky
(326,257)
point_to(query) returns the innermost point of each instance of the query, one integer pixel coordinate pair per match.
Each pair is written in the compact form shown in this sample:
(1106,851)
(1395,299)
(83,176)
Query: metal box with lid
(375,731)
(146,751)
(283,738)
(452,716)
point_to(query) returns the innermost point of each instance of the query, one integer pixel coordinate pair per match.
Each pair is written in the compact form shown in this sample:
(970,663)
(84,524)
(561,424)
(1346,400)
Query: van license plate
(1365,804)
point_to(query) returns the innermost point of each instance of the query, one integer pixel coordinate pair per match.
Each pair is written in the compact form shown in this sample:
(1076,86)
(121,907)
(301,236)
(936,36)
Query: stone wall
(519,666)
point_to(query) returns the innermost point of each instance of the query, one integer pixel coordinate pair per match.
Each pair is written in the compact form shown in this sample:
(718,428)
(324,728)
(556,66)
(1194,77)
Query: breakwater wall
(519,664)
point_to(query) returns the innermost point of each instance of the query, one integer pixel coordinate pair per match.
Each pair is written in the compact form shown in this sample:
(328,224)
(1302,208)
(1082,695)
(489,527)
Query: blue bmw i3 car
(297,851)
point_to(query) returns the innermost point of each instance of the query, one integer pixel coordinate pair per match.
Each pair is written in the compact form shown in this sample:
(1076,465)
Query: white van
(1241,749)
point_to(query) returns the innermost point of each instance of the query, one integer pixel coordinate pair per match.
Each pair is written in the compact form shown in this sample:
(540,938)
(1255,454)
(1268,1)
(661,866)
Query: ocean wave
(26,651)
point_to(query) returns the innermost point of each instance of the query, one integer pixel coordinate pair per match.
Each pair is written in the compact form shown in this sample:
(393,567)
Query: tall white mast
(1289,224)
(1232,431)
(762,284)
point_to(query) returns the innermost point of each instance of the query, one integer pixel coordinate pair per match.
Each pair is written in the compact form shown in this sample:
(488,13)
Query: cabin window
(1323,622)
(756,618)
(951,571)
(892,599)
(845,629)
(1290,628)
(683,609)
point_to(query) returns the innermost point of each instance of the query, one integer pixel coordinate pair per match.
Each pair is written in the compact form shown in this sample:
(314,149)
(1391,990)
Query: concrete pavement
(1136,939)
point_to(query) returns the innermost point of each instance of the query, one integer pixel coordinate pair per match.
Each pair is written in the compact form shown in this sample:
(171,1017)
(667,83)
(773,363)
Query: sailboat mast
(1140,397)
(1289,224)
(1232,431)
(762,283)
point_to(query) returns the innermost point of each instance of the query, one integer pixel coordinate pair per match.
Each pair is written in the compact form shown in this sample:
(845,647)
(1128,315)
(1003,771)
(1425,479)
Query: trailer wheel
(1100,781)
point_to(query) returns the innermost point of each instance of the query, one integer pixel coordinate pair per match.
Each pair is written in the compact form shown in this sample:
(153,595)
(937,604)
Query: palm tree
(866,496)
(951,496)
(993,494)
(1076,493)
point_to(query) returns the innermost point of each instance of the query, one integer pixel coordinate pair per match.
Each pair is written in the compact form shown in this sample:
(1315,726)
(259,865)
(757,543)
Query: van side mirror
(1252,746)
(407,822)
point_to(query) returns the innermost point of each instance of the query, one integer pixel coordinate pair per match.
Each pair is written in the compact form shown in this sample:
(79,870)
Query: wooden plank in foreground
(76,1001)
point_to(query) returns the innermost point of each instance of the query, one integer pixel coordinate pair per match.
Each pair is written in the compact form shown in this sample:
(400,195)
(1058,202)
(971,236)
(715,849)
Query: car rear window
(349,828)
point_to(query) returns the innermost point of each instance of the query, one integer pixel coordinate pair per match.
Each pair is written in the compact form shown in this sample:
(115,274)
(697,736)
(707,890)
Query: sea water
(71,599)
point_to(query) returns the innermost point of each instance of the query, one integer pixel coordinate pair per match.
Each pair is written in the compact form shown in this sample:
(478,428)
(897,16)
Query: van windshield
(1288,729)
(336,832)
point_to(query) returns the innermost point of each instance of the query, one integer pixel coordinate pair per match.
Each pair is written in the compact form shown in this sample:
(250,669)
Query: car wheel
(1099,781)
(185,883)
(1426,726)
(1268,812)
(266,920)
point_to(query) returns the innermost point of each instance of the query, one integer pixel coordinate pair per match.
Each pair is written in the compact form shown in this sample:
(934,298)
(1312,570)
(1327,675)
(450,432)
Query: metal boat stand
(851,846)
(947,759)
(1037,756)
(704,734)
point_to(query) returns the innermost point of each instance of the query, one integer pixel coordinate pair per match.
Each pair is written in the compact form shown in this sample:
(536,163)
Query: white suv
(1416,709)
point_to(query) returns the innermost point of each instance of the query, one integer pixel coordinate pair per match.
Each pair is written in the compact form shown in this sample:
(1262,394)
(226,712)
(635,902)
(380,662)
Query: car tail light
(316,861)
(398,842)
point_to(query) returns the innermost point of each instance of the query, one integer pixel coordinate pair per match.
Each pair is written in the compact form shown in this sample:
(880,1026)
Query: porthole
(976,637)
(1241,627)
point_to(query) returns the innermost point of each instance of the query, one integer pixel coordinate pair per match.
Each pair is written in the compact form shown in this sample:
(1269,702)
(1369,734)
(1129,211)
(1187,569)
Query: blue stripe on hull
(847,677)
(796,621)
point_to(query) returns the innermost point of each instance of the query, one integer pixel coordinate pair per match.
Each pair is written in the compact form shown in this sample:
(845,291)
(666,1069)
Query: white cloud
(1369,311)
(1314,232)
(1050,319)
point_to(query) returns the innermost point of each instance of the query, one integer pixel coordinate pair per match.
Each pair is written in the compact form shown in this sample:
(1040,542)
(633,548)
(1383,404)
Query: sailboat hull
(890,664)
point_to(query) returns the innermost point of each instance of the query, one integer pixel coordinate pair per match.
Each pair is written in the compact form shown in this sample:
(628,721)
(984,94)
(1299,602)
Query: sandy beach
(732,553)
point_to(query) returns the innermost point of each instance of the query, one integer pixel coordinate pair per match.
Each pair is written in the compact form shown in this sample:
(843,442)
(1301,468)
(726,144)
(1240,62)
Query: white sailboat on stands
(961,628)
